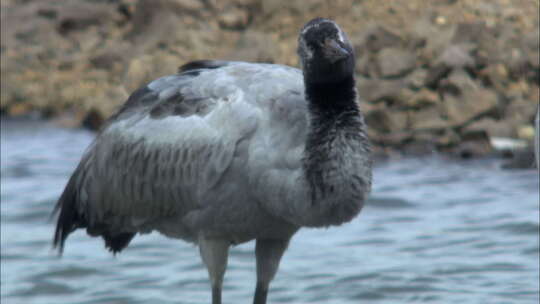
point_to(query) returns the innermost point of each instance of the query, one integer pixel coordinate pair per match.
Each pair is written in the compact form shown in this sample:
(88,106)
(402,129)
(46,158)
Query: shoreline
(515,157)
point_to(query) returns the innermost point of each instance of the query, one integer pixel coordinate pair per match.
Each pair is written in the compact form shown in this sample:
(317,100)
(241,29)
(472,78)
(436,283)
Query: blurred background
(447,75)
(449,89)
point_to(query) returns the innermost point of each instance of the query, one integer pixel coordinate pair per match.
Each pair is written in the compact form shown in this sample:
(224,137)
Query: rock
(471,103)
(145,68)
(190,5)
(416,80)
(448,138)
(457,83)
(79,16)
(427,118)
(436,74)
(19,109)
(436,38)
(419,146)
(395,62)
(372,90)
(368,66)
(384,121)
(473,145)
(521,110)
(421,99)
(376,38)
(93,120)
(494,128)
(108,61)
(470,32)
(526,132)
(457,56)
(496,76)
(396,139)
(234,18)
(255,47)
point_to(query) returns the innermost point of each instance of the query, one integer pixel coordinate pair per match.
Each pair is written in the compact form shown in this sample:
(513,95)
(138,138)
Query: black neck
(336,128)
(332,100)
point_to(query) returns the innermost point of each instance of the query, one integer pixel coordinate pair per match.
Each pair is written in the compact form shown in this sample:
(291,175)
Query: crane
(223,153)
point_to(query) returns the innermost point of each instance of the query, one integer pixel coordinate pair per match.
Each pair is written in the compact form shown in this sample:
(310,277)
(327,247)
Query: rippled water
(434,231)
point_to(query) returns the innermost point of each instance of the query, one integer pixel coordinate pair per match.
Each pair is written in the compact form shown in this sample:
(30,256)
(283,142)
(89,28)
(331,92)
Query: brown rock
(394,139)
(78,16)
(457,83)
(372,90)
(473,145)
(255,46)
(93,120)
(496,76)
(469,105)
(427,118)
(19,109)
(470,32)
(436,74)
(367,65)
(145,68)
(492,127)
(448,138)
(395,62)
(521,110)
(421,99)
(376,38)
(417,79)
(234,18)
(436,38)
(457,56)
(385,121)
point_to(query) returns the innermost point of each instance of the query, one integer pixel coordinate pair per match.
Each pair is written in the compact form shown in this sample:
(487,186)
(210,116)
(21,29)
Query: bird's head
(325,52)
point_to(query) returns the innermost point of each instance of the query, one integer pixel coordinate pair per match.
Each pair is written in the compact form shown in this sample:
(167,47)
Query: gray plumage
(227,152)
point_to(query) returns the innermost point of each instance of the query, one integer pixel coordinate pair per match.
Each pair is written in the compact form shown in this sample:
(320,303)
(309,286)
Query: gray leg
(268,253)
(214,253)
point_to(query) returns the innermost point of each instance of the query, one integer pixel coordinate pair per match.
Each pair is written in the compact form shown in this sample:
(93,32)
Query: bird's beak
(333,51)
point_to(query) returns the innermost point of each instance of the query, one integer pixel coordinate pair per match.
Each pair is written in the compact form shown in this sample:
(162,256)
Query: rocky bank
(444,75)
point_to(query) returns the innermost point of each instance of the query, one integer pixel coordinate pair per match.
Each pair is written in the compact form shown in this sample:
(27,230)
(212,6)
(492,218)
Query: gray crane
(223,153)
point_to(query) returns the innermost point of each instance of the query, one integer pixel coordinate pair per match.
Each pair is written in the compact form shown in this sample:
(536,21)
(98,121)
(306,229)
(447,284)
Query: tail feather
(70,219)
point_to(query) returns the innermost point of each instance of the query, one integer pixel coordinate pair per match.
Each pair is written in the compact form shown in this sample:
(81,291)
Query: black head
(325,52)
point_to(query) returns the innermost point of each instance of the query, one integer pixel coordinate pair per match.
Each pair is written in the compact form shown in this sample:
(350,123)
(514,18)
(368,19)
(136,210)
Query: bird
(226,152)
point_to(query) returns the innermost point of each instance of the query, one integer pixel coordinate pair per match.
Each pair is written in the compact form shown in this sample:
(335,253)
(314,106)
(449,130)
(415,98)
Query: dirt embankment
(449,75)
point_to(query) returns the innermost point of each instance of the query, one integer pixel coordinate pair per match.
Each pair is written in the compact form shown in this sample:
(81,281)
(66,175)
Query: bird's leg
(268,253)
(214,253)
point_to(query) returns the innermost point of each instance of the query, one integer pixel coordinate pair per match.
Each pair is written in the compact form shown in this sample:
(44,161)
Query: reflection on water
(434,231)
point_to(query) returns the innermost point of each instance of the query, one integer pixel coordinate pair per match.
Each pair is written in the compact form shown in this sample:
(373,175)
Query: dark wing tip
(68,218)
(202,64)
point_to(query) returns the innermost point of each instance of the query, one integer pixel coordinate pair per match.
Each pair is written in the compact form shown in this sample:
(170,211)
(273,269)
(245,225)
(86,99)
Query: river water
(434,231)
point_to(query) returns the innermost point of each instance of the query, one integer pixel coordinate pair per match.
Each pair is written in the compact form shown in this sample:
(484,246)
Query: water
(434,231)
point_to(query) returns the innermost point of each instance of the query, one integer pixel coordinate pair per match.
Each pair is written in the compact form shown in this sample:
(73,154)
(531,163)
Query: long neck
(333,106)
(332,99)
(337,161)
